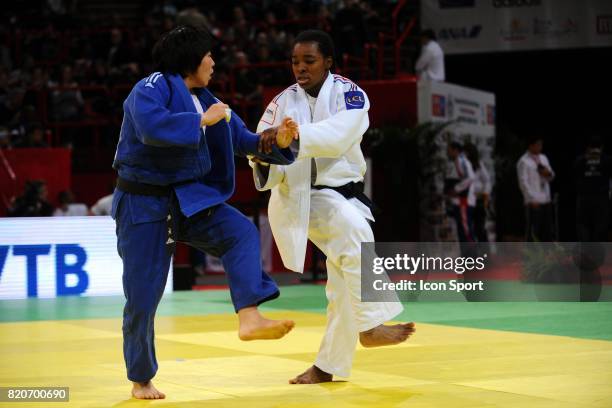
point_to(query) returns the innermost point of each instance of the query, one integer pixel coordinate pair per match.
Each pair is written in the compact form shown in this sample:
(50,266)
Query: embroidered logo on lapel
(354,100)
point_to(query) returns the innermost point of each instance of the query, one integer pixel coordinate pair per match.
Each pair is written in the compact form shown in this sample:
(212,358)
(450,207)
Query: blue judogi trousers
(146,249)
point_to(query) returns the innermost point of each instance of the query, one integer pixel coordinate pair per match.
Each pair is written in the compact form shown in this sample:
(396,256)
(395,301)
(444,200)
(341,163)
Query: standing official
(459,188)
(430,65)
(534,176)
(592,173)
(482,191)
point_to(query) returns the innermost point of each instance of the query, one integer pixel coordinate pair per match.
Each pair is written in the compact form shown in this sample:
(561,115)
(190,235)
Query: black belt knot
(351,190)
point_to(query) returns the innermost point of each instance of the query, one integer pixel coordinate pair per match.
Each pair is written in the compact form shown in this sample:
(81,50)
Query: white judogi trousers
(338,228)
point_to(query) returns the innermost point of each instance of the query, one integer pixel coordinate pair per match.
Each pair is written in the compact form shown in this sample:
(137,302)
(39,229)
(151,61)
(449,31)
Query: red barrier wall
(50,164)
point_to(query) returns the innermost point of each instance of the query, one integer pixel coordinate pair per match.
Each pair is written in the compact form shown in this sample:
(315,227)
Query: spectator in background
(119,52)
(592,173)
(66,99)
(459,189)
(68,208)
(5,137)
(482,190)
(191,16)
(103,205)
(534,176)
(37,84)
(34,137)
(11,107)
(33,202)
(4,83)
(349,29)
(98,72)
(430,65)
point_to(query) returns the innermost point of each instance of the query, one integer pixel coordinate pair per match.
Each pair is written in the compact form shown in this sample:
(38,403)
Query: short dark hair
(471,151)
(180,51)
(429,33)
(595,141)
(533,139)
(323,40)
(456,145)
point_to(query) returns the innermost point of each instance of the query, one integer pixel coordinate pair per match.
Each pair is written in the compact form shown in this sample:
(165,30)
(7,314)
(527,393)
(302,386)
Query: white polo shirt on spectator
(482,181)
(73,210)
(535,188)
(103,206)
(430,64)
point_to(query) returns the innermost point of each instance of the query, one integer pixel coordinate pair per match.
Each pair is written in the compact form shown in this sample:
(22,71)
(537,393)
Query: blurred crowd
(34,202)
(60,62)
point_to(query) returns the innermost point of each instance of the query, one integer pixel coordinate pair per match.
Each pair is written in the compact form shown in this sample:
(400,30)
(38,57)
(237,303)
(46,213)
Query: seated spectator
(192,16)
(35,136)
(349,29)
(119,52)
(11,106)
(66,98)
(33,202)
(102,206)
(68,208)
(5,137)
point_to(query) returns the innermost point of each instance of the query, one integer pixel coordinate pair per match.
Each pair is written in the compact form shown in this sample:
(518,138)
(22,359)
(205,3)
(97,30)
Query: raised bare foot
(146,391)
(253,326)
(313,375)
(386,335)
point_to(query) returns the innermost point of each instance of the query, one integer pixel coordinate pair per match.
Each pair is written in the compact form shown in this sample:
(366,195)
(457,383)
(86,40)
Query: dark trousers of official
(480,219)
(592,218)
(146,250)
(464,219)
(539,223)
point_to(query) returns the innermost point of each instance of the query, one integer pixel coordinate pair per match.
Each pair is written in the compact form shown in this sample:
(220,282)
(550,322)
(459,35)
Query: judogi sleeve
(158,126)
(266,177)
(332,137)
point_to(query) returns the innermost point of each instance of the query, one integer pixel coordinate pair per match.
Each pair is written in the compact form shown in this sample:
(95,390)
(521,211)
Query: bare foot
(146,391)
(313,375)
(386,335)
(253,326)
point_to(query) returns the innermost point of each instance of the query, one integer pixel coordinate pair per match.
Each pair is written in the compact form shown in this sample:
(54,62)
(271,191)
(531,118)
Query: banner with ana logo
(470,26)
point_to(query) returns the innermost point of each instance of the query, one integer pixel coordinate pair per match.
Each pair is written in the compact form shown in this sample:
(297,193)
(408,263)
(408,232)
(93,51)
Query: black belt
(145,189)
(351,190)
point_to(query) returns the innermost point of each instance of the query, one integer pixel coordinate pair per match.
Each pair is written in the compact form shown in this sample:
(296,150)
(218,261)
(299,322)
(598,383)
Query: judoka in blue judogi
(175,159)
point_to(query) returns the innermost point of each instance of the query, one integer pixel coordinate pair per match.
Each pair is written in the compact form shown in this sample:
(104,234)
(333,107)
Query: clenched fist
(214,114)
(281,135)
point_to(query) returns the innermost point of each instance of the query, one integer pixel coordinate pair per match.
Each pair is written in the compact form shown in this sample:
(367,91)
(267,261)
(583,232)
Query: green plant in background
(509,147)
(548,262)
(410,159)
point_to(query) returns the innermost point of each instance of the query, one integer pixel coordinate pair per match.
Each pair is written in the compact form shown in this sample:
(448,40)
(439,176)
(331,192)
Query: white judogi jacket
(332,136)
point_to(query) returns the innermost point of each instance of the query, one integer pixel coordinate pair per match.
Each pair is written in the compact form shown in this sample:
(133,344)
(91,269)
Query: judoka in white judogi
(331,127)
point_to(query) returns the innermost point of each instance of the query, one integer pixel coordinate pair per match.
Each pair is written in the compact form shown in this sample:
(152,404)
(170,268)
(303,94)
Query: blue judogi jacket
(162,143)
